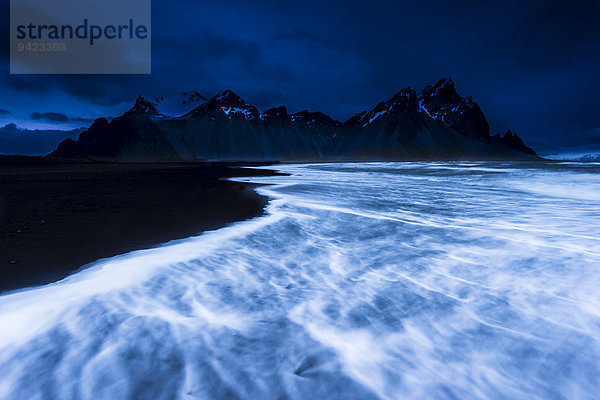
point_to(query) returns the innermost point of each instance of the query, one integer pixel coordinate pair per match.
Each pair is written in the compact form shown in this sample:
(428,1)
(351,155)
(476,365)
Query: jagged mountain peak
(143,106)
(443,103)
(168,104)
(403,100)
(313,118)
(444,89)
(280,113)
(227,97)
(444,83)
(406,94)
(513,141)
(226,104)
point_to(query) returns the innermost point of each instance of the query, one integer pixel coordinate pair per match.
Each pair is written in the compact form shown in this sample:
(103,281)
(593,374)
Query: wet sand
(56,217)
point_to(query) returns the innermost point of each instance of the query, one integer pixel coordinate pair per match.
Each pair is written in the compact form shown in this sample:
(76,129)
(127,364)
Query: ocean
(445,280)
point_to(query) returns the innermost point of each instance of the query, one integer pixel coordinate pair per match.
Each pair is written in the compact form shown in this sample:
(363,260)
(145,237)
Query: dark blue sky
(531,65)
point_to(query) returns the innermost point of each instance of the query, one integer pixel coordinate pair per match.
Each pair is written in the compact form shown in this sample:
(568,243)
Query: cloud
(56,117)
(49,116)
(5,112)
(83,120)
(15,140)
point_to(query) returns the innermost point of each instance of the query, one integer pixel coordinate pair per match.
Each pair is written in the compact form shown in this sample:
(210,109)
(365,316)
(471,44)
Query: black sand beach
(56,216)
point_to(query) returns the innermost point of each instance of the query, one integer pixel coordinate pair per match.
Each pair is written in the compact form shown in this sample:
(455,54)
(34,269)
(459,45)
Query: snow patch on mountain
(237,110)
(374,117)
(423,108)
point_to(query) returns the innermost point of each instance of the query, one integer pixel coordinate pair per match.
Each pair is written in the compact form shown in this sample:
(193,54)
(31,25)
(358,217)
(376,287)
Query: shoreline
(56,217)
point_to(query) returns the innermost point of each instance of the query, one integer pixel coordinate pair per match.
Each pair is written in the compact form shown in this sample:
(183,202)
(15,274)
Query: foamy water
(378,280)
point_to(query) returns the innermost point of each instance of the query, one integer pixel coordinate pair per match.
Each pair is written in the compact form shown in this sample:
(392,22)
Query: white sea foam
(378,280)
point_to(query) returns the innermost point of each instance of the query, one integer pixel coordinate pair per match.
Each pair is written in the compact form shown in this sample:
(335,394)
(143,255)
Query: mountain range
(437,124)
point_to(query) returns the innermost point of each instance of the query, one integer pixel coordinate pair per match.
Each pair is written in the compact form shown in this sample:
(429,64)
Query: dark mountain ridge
(438,124)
